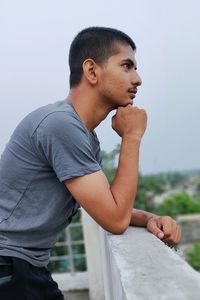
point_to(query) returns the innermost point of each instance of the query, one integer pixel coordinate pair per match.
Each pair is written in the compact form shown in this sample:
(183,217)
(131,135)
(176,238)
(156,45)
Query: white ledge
(139,266)
(70,282)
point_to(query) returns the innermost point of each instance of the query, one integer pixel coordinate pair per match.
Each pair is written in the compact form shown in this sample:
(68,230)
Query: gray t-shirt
(49,145)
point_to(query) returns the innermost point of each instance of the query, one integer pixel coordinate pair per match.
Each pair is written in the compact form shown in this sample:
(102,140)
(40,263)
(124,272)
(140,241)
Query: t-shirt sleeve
(63,141)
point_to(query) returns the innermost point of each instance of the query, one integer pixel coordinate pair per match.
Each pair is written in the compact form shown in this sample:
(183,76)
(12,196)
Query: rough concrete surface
(150,270)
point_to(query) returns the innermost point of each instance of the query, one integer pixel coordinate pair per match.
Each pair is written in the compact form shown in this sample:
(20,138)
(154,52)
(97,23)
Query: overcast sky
(35,38)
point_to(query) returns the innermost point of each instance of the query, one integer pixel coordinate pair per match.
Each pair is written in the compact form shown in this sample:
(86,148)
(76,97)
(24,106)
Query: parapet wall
(137,265)
(190,225)
(143,268)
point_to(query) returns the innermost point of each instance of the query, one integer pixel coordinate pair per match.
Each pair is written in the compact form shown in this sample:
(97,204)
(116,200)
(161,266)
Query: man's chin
(125,103)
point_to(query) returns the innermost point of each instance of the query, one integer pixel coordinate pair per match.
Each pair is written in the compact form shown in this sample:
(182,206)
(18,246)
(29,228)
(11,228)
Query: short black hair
(97,43)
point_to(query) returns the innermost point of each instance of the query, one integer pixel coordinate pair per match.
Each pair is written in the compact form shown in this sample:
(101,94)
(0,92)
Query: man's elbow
(119,231)
(119,228)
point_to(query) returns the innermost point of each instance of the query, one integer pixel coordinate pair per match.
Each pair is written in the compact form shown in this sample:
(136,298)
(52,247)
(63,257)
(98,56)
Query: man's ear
(90,70)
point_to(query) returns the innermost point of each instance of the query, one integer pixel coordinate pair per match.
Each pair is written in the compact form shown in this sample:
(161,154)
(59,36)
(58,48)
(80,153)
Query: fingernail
(160,235)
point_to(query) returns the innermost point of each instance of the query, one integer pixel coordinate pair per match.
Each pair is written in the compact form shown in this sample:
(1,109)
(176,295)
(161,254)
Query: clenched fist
(130,120)
(165,228)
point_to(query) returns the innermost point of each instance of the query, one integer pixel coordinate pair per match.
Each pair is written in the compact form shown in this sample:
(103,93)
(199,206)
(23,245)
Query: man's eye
(127,66)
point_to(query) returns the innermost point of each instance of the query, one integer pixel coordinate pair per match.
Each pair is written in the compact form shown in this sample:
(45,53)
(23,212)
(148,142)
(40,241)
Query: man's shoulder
(52,115)
(56,108)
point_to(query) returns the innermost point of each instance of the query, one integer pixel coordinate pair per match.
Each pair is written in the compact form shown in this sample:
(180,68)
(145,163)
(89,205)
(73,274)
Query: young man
(51,165)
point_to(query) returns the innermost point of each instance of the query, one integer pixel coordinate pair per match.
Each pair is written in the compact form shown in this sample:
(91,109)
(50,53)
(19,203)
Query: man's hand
(165,228)
(130,120)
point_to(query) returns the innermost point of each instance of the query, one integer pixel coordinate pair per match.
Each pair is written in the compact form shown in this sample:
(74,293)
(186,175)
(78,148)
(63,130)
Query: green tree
(109,161)
(193,256)
(148,187)
(178,204)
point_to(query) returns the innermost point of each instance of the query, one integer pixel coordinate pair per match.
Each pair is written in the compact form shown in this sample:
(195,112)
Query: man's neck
(91,110)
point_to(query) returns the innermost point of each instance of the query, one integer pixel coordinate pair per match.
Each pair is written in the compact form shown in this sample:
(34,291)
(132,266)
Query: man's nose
(137,79)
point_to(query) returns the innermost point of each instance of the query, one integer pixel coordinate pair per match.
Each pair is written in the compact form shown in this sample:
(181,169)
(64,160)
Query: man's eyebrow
(131,62)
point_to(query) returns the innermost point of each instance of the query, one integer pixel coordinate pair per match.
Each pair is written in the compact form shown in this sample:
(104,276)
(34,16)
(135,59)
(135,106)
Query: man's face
(118,79)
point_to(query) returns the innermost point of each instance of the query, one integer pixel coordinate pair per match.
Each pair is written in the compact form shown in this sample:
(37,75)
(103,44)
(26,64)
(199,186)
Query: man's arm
(140,217)
(111,205)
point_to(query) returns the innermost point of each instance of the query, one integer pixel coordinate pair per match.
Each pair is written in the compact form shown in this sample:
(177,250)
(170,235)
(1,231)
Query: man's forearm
(124,186)
(140,217)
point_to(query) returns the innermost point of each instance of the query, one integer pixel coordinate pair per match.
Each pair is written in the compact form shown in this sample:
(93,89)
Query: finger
(174,232)
(176,238)
(167,227)
(172,238)
(153,228)
(179,235)
(159,224)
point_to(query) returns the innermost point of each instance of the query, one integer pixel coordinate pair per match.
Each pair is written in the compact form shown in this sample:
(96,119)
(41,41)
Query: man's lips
(133,91)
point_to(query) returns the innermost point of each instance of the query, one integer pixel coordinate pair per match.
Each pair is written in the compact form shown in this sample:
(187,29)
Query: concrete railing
(136,266)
